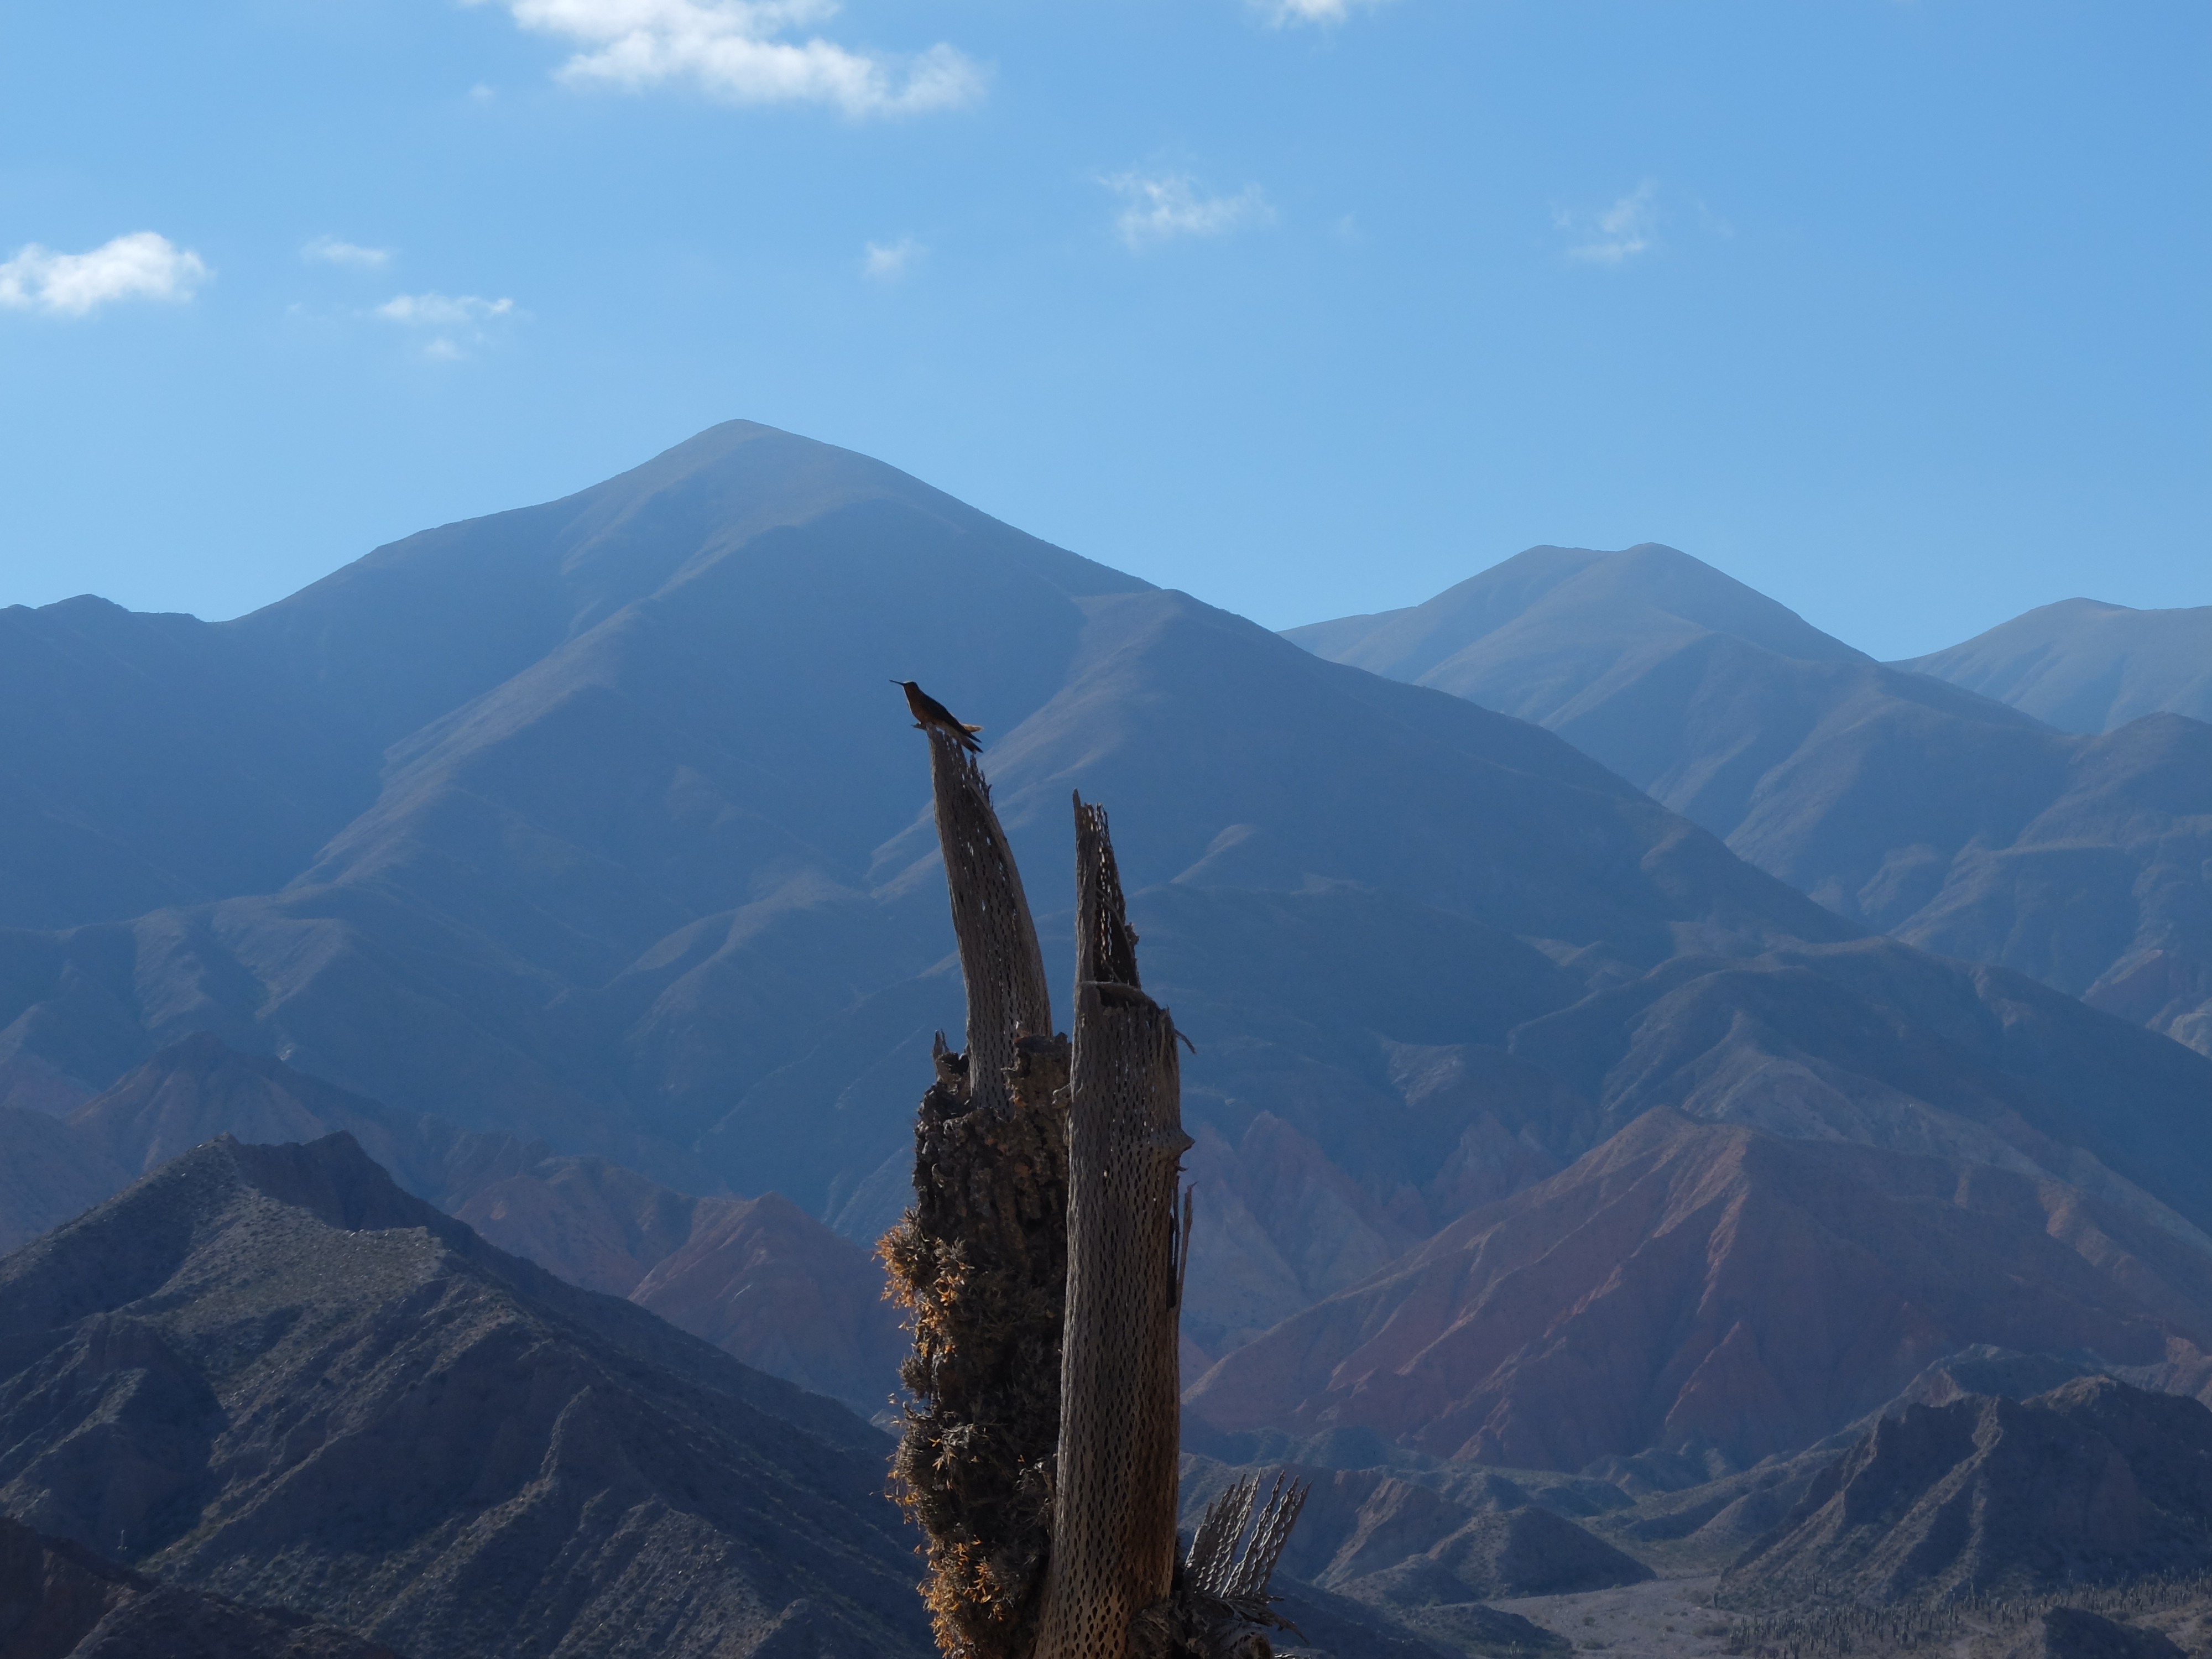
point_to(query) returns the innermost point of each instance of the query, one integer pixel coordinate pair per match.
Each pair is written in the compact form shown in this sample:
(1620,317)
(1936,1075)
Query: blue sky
(1896,310)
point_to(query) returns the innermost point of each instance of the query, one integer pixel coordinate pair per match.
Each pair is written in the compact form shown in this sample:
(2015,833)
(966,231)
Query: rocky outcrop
(2094,1482)
(268,1373)
(1716,1290)
(59,1600)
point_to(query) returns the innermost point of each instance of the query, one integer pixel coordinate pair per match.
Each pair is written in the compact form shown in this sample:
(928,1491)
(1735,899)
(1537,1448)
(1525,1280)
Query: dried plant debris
(981,1261)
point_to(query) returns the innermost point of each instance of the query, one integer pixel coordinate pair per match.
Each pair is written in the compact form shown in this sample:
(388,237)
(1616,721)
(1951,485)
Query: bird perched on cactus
(929,712)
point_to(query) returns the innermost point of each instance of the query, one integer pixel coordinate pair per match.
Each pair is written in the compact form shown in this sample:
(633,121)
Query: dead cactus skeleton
(1043,1266)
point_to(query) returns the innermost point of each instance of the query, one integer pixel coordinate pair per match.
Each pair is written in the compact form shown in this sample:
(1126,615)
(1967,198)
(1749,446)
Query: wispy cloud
(737,49)
(1615,234)
(144,266)
(886,261)
(1282,12)
(1167,205)
(455,322)
(329,251)
(443,310)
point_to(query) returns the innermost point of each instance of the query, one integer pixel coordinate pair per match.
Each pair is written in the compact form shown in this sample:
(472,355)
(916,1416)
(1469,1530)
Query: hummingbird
(929,712)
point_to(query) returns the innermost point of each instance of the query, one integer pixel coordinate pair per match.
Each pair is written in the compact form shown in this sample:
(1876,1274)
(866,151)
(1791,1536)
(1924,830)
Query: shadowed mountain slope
(2084,666)
(1908,805)
(58,1601)
(1716,1290)
(147,761)
(758,1278)
(269,1373)
(668,881)
(2094,1482)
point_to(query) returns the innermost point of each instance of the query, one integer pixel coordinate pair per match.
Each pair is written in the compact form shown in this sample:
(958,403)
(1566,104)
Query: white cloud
(329,251)
(1617,233)
(1169,205)
(735,48)
(1281,12)
(887,262)
(459,321)
(143,266)
(443,310)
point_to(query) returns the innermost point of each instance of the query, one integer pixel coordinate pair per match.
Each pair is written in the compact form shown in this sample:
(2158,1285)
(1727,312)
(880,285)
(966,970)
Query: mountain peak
(1550,601)
(2086,665)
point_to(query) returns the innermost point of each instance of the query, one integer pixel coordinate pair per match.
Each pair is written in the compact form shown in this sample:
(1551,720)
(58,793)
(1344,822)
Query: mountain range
(1596,925)
(1907,801)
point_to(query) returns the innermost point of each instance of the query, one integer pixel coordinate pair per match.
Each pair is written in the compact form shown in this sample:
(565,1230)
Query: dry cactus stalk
(1042,1470)
(980,1257)
(1114,1540)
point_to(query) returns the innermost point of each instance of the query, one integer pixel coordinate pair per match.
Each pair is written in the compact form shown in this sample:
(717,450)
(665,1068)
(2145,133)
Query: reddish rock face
(1702,1287)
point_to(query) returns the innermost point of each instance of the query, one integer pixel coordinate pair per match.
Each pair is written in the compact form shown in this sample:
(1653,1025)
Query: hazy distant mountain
(1544,628)
(661,886)
(647,876)
(2084,666)
(149,760)
(267,1372)
(1938,815)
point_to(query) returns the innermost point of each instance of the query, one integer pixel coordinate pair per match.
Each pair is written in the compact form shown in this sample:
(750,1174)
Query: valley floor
(1666,1617)
(1674,1618)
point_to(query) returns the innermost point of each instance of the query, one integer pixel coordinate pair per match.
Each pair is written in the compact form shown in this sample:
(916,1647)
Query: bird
(929,712)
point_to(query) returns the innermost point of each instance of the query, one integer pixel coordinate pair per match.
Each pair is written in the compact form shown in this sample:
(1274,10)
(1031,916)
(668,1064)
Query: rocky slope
(1916,806)
(1722,1293)
(268,1373)
(761,1279)
(2094,1482)
(2082,665)
(58,1601)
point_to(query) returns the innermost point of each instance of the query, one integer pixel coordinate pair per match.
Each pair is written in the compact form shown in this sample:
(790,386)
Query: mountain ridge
(2085,666)
(272,1375)
(1908,804)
